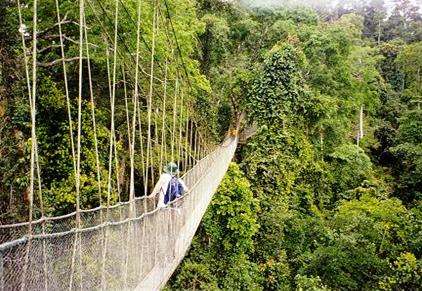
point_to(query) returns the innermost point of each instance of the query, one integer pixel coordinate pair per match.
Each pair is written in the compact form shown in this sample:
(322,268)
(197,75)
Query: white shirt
(161,188)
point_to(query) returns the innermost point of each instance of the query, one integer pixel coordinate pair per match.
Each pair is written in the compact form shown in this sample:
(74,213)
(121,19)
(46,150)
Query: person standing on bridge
(169,187)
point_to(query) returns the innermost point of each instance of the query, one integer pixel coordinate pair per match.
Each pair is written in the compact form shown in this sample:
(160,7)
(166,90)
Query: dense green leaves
(408,156)
(220,255)
(350,167)
(332,215)
(278,93)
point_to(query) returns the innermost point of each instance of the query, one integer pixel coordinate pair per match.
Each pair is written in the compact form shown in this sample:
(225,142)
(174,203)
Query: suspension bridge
(124,241)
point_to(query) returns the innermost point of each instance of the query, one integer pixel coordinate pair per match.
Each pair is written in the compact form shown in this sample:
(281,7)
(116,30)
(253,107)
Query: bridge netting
(130,246)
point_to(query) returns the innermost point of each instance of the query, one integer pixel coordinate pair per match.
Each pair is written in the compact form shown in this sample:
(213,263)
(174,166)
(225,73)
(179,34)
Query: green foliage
(366,234)
(276,272)
(220,256)
(278,93)
(350,167)
(380,222)
(408,154)
(326,217)
(389,67)
(235,208)
(407,273)
(410,65)
(309,283)
(216,32)
(195,276)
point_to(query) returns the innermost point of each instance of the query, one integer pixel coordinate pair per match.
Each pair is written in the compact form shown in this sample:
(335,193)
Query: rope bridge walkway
(115,249)
(123,60)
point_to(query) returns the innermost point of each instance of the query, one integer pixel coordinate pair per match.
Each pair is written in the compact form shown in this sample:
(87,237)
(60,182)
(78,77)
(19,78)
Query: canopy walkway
(119,248)
(117,58)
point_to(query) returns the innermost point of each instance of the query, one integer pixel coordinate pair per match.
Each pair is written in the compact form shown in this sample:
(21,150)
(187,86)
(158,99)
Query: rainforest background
(305,207)
(326,195)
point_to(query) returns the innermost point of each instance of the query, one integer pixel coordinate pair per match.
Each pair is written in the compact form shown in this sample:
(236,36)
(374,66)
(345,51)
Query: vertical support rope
(112,136)
(92,101)
(33,114)
(156,142)
(150,105)
(151,87)
(104,233)
(163,129)
(187,147)
(192,146)
(110,156)
(78,180)
(43,225)
(156,115)
(135,103)
(104,230)
(141,142)
(126,260)
(128,122)
(132,143)
(117,168)
(127,238)
(180,122)
(197,144)
(75,169)
(94,123)
(112,101)
(32,106)
(78,155)
(66,87)
(33,139)
(173,134)
(28,83)
(156,225)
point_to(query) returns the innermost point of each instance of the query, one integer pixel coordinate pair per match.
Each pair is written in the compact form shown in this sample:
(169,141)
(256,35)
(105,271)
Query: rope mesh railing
(114,249)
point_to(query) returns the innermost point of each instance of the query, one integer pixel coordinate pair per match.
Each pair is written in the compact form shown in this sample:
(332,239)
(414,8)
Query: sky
(318,3)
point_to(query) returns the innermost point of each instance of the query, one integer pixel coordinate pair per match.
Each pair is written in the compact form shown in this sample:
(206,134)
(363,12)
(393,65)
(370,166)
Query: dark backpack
(174,190)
